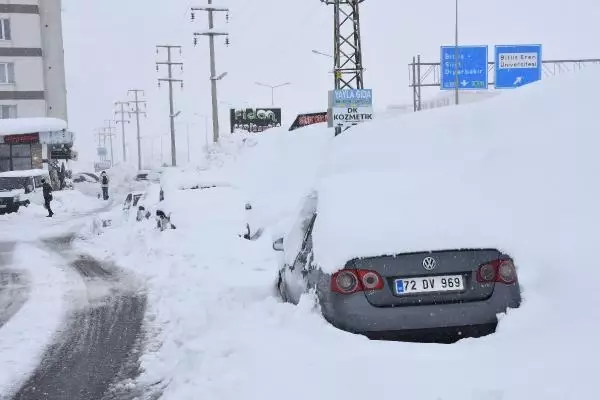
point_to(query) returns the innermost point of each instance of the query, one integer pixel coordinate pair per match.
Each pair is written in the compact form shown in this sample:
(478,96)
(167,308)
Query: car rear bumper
(353,313)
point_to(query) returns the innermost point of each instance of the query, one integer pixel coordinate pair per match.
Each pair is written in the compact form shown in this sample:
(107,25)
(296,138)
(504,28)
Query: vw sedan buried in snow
(424,296)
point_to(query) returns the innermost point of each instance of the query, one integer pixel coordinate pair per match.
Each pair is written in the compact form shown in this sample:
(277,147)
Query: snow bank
(515,172)
(70,207)
(217,331)
(25,336)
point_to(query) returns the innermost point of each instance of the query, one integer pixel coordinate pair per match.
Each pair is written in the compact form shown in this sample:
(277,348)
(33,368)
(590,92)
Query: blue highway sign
(517,65)
(472,67)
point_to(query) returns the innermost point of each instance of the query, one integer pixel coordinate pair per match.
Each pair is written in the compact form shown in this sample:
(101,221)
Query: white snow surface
(23,173)
(519,170)
(508,171)
(24,337)
(17,126)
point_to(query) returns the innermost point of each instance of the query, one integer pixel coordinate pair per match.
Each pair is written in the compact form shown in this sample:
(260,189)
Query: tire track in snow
(100,345)
(14,285)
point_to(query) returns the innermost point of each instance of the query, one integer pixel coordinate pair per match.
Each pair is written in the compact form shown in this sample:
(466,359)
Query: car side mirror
(29,189)
(278,245)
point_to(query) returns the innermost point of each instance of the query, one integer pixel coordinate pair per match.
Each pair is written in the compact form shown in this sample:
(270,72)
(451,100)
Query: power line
(121,111)
(211,33)
(169,63)
(138,112)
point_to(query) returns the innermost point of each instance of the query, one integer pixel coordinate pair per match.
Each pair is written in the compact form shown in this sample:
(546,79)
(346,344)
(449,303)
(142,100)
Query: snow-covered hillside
(523,163)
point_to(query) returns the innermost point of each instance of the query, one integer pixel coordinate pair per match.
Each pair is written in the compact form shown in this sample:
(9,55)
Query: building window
(4,157)
(8,112)
(7,73)
(5,33)
(21,157)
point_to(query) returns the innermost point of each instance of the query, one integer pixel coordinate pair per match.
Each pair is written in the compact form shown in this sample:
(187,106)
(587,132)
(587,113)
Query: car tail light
(370,280)
(348,281)
(502,271)
(507,273)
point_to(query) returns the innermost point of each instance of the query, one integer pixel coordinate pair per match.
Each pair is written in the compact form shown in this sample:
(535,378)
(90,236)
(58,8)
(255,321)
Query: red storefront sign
(28,138)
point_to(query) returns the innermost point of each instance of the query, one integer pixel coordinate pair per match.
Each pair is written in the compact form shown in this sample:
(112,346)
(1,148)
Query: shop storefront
(34,143)
(21,152)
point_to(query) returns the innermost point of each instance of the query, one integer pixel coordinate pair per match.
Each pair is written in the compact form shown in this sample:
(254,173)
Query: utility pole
(101,144)
(137,112)
(211,33)
(169,63)
(456,54)
(121,111)
(347,52)
(108,132)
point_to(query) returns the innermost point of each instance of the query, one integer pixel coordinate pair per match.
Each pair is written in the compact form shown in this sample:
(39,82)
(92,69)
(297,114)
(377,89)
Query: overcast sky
(109,48)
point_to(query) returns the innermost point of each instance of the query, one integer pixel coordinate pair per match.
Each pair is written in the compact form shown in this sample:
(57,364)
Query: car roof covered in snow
(23,174)
(462,177)
(17,126)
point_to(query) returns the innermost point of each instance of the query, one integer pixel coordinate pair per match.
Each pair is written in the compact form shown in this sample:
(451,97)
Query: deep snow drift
(519,169)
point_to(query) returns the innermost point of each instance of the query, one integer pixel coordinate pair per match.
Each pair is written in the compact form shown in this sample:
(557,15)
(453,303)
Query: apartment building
(32,71)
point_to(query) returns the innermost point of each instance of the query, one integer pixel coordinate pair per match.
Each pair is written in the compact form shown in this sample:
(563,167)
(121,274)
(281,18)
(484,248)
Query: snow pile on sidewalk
(218,331)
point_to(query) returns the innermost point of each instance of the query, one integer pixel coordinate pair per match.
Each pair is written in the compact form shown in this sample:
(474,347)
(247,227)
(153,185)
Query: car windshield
(12,183)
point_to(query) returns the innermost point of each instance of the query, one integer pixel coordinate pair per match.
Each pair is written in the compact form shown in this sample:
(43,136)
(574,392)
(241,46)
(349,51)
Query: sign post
(472,68)
(517,65)
(350,107)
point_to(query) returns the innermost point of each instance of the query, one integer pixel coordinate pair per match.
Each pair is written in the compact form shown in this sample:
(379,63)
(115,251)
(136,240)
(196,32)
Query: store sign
(309,119)
(60,153)
(255,119)
(349,107)
(57,137)
(28,138)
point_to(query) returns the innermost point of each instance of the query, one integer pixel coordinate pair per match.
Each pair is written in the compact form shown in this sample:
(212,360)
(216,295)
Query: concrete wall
(36,49)
(54,59)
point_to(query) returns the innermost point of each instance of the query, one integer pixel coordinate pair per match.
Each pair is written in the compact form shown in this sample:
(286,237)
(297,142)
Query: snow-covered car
(148,176)
(21,188)
(133,198)
(87,177)
(456,292)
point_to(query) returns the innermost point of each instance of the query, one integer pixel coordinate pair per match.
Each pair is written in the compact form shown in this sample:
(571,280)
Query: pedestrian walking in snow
(104,184)
(47,191)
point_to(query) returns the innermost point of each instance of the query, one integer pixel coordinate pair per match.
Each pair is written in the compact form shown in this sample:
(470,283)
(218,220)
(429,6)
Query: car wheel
(280,287)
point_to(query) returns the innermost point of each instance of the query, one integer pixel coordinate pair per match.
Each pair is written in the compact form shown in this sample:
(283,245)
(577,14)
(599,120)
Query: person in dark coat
(104,184)
(47,190)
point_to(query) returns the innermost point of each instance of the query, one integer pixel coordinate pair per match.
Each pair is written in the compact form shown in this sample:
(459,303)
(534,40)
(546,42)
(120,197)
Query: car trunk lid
(439,277)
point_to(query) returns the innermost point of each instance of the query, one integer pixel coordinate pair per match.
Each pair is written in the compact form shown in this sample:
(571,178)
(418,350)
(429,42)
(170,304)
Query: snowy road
(100,343)
(14,286)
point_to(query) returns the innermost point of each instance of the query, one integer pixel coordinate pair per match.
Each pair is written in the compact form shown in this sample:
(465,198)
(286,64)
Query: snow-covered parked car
(453,292)
(21,188)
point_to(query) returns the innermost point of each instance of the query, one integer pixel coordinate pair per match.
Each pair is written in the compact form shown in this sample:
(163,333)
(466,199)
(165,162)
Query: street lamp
(321,53)
(272,89)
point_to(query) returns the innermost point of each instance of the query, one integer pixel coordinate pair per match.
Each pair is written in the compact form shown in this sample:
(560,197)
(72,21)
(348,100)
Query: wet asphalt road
(100,343)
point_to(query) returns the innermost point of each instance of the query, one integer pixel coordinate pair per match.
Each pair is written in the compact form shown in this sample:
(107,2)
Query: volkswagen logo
(429,263)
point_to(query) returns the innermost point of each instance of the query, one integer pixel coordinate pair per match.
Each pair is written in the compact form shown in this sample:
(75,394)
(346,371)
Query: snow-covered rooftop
(17,126)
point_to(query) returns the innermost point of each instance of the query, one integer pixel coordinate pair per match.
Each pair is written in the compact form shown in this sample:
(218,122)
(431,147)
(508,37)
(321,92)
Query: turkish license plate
(429,284)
